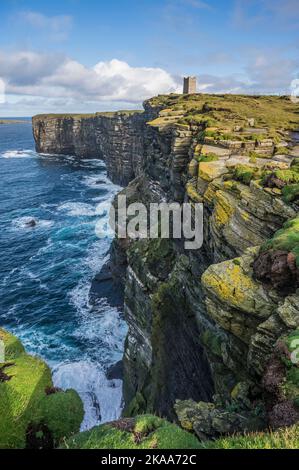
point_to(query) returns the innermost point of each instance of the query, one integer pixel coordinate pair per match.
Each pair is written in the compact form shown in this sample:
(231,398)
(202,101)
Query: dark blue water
(46,270)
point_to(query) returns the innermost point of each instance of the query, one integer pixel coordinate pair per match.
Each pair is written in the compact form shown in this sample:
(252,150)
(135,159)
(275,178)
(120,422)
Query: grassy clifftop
(86,115)
(228,111)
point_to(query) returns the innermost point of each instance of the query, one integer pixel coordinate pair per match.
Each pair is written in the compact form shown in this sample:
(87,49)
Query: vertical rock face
(117,138)
(203,324)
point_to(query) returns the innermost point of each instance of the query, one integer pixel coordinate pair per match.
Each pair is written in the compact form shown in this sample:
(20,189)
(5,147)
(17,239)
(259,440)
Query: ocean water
(46,270)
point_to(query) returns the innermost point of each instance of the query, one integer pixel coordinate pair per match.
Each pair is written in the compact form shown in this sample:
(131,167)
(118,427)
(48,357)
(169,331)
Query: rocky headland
(211,331)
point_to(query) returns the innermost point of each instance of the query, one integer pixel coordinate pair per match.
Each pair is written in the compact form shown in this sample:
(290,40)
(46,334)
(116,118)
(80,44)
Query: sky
(94,55)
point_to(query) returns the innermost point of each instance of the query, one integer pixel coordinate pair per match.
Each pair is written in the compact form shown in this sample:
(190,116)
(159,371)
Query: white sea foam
(24,223)
(19,154)
(77,209)
(102,398)
(96,181)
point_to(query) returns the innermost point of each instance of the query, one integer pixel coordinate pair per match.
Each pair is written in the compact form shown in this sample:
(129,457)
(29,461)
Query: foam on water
(47,269)
(77,209)
(18,154)
(96,392)
(24,223)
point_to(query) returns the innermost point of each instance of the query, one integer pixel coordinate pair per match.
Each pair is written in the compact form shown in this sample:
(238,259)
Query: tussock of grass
(245,173)
(147,432)
(287,438)
(286,239)
(290,193)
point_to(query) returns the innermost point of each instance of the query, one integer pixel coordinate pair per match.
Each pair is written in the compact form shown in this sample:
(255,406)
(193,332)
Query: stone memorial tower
(189,85)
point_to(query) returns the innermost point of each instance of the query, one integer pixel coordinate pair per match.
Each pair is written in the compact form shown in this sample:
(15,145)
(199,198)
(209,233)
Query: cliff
(117,138)
(210,330)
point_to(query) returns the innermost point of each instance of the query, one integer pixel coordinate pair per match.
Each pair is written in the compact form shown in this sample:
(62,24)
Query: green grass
(287,438)
(290,193)
(210,157)
(23,398)
(281,151)
(147,432)
(87,115)
(286,239)
(227,111)
(245,173)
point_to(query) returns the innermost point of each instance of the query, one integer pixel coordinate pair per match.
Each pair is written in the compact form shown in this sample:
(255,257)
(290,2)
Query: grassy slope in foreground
(287,438)
(151,432)
(29,401)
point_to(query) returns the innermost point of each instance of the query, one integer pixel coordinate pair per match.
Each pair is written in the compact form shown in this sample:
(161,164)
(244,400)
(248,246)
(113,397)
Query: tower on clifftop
(189,85)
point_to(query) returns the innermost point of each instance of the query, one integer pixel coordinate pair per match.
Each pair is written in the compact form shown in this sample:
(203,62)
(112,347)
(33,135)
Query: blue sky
(87,55)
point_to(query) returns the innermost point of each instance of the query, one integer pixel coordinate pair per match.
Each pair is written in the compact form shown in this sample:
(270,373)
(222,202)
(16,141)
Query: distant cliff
(117,138)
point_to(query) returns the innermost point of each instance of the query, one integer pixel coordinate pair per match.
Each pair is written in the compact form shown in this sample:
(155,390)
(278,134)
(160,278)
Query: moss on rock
(290,193)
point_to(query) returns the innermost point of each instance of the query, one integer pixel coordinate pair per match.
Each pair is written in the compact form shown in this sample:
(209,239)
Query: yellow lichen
(230,288)
(208,171)
(223,209)
(192,193)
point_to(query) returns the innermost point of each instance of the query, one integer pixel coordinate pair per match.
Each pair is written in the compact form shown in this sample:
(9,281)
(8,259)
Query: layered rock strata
(204,324)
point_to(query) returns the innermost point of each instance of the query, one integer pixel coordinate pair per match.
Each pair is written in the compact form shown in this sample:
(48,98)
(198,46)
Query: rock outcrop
(204,324)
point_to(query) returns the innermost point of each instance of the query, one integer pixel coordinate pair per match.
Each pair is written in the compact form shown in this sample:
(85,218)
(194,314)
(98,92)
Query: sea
(47,268)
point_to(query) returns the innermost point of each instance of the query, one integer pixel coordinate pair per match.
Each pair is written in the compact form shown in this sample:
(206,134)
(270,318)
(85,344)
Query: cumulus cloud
(58,27)
(55,76)
(28,68)
(272,74)
(38,82)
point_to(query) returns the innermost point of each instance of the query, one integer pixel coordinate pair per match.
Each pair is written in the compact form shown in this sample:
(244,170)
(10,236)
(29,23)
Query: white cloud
(54,83)
(58,27)
(2,91)
(52,76)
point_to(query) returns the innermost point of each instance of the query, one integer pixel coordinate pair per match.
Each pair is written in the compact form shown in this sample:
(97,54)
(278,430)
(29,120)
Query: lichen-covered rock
(209,422)
(33,413)
(289,311)
(234,300)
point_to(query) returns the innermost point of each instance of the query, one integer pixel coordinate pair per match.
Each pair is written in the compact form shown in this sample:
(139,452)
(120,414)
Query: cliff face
(207,327)
(117,138)
(201,324)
